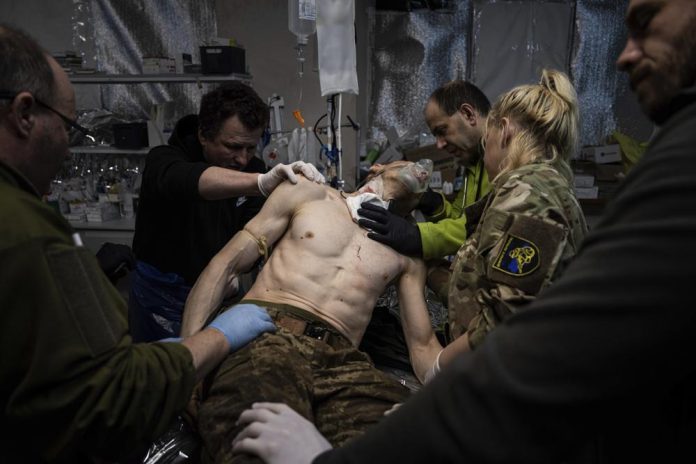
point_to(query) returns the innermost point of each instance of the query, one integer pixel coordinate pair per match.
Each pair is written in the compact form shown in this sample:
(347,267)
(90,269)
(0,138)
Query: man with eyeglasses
(197,192)
(72,383)
(71,127)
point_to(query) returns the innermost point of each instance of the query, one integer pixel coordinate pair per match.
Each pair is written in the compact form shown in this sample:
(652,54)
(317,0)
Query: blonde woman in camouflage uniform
(531,221)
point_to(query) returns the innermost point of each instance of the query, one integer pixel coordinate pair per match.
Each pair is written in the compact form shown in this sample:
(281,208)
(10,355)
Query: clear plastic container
(302,19)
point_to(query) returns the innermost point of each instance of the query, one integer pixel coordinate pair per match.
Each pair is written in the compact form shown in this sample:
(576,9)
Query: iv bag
(336,43)
(302,16)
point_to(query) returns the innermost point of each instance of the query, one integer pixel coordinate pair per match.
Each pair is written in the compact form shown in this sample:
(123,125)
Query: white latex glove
(278,435)
(273,178)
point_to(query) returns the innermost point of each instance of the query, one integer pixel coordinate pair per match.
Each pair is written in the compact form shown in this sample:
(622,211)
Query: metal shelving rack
(108,150)
(155,78)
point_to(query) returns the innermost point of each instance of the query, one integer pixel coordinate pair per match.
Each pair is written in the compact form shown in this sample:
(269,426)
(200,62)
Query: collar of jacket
(683,98)
(13,177)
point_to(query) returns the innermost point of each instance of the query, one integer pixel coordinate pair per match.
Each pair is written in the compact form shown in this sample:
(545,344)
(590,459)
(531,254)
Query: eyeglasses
(70,125)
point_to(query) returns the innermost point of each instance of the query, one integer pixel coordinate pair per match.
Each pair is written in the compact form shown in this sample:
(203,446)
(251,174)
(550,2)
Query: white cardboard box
(602,154)
(583,180)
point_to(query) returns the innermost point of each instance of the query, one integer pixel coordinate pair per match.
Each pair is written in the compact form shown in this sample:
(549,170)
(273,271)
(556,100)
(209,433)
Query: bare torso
(325,264)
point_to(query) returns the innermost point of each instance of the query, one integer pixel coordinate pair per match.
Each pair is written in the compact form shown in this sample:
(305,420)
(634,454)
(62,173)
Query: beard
(659,83)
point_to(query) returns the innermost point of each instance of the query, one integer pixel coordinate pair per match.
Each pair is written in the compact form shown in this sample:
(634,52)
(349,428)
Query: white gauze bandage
(355,202)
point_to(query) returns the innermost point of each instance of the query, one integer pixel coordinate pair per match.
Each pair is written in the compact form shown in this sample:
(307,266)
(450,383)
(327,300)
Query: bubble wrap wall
(601,36)
(413,53)
(114,36)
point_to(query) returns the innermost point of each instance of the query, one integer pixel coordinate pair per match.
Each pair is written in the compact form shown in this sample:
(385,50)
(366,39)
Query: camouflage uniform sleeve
(78,382)
(522,238)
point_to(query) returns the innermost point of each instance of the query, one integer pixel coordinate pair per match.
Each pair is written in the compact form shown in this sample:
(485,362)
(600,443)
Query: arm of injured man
(243,250)
(423,346)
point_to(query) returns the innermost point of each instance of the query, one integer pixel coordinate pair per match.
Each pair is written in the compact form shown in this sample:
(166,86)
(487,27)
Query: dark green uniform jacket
(446,230)
(72,382)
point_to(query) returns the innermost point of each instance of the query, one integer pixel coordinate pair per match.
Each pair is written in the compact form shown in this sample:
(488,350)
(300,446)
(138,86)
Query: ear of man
(468,113)
(20,114)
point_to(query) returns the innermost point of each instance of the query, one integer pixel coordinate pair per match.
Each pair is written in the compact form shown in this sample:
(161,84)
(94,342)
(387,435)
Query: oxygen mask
(416,176)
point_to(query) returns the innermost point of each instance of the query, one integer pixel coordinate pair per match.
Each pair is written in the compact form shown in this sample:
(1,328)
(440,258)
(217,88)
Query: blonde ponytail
(546,115)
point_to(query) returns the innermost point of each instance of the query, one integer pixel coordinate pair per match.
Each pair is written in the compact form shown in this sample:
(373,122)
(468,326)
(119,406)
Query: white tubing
(339,147)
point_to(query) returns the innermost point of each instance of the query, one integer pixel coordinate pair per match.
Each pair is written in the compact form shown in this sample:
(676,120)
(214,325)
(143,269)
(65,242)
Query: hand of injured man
(273,178)
(390,229)
(242,323)
(277,434)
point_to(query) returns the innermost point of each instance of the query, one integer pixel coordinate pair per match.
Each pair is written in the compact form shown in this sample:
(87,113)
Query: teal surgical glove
(242,323)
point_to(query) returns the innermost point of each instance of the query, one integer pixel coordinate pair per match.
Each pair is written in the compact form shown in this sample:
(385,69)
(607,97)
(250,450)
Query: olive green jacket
(72,382)
(531,225)
(446,230)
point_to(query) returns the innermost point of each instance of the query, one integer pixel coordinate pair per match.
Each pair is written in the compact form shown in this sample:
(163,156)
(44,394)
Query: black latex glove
(390,229)
(429,202)
(115,260)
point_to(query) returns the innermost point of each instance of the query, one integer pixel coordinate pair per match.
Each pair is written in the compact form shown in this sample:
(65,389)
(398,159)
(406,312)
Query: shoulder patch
(527,253)
(518,257)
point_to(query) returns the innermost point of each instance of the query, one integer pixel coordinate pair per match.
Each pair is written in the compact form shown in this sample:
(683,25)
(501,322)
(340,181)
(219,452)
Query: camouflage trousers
(328,381)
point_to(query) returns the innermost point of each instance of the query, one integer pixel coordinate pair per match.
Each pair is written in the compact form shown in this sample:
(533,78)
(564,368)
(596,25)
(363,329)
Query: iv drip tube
(339,147)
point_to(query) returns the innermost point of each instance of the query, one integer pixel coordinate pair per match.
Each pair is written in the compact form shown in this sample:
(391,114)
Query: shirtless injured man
(320,285)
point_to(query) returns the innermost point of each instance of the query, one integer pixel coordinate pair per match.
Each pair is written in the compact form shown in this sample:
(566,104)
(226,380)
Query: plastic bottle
(302,21)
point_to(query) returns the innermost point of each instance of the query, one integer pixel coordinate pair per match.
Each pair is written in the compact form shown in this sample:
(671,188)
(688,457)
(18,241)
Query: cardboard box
(587,193)
(223,60)
(610,173)
(130,135)
(602,154)
(583,180)
(158,65)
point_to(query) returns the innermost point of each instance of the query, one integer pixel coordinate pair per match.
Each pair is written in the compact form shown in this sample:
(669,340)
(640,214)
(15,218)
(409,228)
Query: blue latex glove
(242,323)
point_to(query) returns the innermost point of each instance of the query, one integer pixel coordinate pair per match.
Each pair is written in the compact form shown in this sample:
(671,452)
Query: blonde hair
(546,115)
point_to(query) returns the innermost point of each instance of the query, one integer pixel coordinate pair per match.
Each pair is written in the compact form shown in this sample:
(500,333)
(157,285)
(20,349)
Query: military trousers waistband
(301,322)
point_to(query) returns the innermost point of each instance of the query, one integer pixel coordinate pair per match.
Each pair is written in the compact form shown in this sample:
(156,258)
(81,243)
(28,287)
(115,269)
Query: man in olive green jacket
(72,384)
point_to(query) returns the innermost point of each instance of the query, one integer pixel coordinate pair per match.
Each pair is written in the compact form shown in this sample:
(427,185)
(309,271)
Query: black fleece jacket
(608,349)
(176,230)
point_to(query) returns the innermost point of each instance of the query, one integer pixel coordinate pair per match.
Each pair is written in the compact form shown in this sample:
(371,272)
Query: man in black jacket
(197,192)
(608,349)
